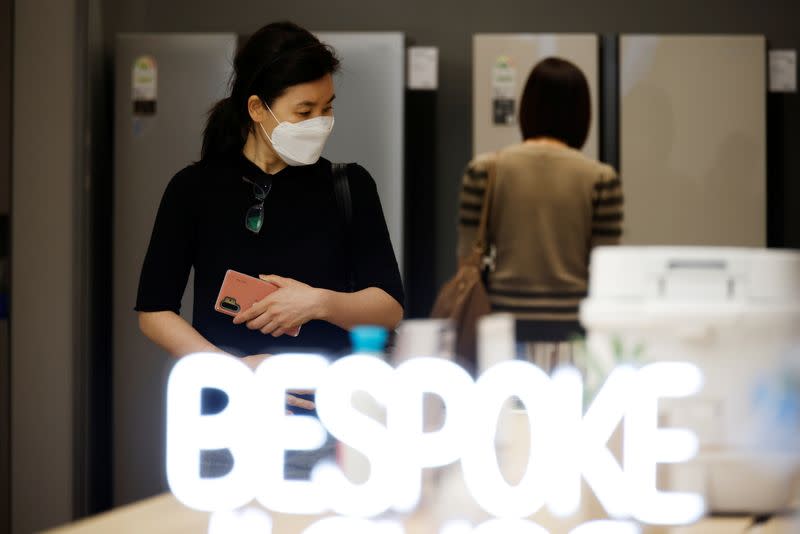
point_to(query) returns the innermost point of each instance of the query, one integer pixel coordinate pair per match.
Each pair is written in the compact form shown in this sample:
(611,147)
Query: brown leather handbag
(464,298)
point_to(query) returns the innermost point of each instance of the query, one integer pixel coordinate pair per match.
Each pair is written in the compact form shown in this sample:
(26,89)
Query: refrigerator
(501,63)
(693,139)
(164,86)
(370,111)
(391,131)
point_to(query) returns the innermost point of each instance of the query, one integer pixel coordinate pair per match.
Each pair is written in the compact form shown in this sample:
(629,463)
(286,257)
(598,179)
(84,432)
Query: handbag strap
(344,201)
(481,238)
(341,187)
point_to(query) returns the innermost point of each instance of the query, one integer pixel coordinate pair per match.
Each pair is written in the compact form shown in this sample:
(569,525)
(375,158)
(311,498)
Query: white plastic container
(424,337)
(735,313)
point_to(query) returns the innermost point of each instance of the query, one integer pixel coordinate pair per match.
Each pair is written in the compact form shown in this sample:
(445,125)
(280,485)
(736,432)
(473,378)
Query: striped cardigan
(551,206)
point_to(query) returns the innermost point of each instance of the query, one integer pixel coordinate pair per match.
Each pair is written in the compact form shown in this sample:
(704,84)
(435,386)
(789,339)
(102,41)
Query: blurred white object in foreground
(735,313)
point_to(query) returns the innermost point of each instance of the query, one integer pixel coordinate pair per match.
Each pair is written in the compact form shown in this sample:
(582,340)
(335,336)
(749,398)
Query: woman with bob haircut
(551,206)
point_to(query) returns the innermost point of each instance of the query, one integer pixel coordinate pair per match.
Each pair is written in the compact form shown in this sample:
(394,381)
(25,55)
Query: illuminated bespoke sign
(566,443)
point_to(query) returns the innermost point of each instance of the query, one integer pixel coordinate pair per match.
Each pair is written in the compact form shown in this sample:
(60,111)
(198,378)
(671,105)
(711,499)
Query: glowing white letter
(479,461)
(279,432)
(335,409)
(189,432)
(405,418)
(646,445)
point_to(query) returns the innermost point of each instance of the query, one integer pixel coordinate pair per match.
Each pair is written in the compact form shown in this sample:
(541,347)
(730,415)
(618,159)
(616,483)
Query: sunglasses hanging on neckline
(254,219)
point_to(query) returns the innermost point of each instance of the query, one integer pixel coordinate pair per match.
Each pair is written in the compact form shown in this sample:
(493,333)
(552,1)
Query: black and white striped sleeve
(470,204)
(608,212)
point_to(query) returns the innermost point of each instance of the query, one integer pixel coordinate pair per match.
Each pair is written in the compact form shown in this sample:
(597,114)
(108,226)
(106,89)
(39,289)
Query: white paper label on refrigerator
(504,91)
(144,85)
(783,71)
(423,67)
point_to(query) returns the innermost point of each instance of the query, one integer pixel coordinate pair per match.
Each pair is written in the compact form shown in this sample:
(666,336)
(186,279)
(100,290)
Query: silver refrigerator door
(165,85)
(501,64)
(370,115)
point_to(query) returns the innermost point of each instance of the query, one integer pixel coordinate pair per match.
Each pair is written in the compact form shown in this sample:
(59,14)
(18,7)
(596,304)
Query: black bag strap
(341,187)
(344,201)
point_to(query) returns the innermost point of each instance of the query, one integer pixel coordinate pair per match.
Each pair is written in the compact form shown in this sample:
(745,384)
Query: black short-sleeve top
(201,224)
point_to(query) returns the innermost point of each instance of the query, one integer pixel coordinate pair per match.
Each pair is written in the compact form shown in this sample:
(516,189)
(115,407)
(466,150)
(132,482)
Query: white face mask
(300,143)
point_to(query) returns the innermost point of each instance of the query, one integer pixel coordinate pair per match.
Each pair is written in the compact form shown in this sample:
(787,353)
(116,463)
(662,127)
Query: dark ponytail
(221,135)
(273,59)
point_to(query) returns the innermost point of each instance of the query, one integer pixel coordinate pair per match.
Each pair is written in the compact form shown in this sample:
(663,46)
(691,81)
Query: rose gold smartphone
(240,291)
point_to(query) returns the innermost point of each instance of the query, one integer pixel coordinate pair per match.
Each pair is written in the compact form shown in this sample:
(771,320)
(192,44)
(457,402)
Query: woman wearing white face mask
(261,201)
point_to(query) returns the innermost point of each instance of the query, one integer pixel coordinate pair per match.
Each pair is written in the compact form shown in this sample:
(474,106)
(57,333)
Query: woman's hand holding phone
(240,293)
(292,305)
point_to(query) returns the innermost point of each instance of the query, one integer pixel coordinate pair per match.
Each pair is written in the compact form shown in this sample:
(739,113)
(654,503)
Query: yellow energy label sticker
(144,90)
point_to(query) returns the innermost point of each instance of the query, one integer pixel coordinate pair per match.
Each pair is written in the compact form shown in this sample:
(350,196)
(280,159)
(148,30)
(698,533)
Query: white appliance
(735,313)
